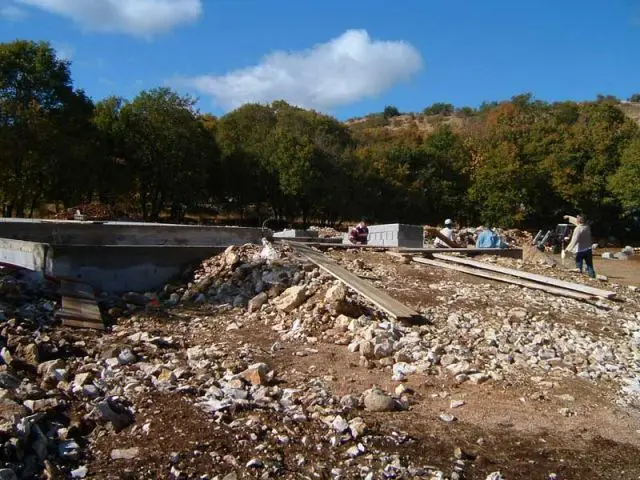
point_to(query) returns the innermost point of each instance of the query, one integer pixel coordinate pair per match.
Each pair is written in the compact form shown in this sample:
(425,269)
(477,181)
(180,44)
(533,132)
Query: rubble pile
(326,232)
(69,397)
(92,211)
(516,237)
(26,297)
(240,277)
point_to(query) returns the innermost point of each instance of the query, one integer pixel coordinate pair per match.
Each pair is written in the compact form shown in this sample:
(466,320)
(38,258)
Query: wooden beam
(498,252)
(379,298)
(499,278)
(529,276)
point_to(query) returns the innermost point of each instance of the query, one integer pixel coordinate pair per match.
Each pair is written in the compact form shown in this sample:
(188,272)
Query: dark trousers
(586,256)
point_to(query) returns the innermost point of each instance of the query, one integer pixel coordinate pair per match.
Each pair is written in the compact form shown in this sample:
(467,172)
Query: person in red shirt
(359,234)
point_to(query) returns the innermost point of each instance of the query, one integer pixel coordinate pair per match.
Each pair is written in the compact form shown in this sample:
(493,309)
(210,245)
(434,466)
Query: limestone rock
(125,453)
(378,401)
(256,302)
(256,374)
(291,298)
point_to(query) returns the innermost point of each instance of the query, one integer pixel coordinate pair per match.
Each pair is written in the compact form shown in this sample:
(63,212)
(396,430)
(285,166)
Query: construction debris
(258,364)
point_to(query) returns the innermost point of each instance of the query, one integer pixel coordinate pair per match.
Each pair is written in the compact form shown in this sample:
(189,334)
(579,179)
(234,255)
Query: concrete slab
(115,256)
(70,232)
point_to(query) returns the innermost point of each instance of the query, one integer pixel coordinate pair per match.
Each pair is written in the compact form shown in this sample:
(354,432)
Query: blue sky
(347,58)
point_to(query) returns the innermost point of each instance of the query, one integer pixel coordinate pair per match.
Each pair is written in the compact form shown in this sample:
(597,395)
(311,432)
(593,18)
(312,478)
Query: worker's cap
(448,221)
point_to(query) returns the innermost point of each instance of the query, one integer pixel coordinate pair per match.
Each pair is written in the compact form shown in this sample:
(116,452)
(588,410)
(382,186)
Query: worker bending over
(582,244)
(359,234)
(446,232)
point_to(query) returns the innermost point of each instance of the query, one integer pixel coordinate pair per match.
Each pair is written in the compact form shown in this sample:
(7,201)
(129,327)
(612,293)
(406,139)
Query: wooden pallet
(79,306)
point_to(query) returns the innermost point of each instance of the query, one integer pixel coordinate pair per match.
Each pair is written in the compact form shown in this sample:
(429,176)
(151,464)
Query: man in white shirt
(446,232)
(581,244)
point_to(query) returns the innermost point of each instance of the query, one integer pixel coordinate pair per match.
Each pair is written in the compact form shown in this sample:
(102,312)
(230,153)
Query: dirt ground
(518,427)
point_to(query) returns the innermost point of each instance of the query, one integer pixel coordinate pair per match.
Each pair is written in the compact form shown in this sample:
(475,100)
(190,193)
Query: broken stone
(256,302)
(291,298)
(80,472)
(378,401)
(9,381)
(336,294)
(446,417)
(456,403)
(357,427)
(256,374)
(339,424)
(118,416)
(125,453)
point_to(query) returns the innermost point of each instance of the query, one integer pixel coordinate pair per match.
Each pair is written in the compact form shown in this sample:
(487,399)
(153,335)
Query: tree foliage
(521,162)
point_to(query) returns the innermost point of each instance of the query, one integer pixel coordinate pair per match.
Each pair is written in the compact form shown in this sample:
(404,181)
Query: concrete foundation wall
(115,256)
(125,233)
(119,269)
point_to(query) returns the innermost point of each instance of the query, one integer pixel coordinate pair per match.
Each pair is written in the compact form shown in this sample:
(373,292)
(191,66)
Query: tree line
(515,163)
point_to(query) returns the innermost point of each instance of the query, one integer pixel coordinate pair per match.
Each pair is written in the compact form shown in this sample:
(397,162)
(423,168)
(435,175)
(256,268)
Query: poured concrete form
(114,256)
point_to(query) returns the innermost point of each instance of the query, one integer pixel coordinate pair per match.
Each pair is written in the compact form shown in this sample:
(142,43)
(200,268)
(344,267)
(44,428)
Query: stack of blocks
(395,235)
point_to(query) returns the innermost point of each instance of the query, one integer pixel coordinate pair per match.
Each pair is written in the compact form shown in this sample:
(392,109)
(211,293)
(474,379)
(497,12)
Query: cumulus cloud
(142,18)
(342,71)
(12,12)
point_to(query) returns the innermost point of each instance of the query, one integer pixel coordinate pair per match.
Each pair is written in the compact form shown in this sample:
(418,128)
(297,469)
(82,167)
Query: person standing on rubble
(446,232)
(360,233)
(582,244)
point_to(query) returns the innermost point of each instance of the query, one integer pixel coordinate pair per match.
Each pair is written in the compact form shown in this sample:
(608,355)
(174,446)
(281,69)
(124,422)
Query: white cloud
(339,72)
(12,13)
(142,18)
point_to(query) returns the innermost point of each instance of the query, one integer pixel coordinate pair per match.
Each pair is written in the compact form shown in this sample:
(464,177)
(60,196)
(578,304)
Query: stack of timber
(523,279)
(79,306)
(389,305)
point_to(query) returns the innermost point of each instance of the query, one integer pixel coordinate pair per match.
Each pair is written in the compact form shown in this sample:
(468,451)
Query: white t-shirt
(446,232)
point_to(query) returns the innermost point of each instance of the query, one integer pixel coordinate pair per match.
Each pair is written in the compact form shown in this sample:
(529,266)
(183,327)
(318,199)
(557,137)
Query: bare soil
(515,427)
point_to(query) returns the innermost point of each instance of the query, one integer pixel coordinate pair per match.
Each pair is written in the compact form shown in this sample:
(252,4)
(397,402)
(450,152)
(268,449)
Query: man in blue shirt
(487,238)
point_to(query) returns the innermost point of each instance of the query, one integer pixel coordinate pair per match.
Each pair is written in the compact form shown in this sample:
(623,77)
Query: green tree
(439,108)
(168,149)
(44,127)
(635,98)
(390,111)
(624,182)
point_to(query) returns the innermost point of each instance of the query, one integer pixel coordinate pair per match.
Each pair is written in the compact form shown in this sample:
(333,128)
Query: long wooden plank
(529,276)
(523,283)
(500,252)
(379,298)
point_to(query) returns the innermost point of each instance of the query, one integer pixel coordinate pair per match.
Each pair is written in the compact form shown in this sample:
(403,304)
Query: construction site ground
(504,425)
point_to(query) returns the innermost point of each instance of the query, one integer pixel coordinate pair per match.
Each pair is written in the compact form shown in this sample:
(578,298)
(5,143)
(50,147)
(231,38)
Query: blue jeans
(586,256)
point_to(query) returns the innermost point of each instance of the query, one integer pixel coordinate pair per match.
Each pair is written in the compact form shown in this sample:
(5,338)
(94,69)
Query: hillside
(428,123)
